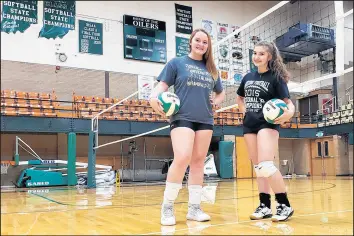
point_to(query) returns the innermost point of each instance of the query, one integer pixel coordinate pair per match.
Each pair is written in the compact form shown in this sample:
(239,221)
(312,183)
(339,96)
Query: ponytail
(276,64)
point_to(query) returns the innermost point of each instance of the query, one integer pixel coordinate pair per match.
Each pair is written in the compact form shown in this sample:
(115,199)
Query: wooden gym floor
(322,206)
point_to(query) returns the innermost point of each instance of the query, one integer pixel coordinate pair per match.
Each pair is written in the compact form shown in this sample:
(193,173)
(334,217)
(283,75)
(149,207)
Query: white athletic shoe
(167,215)
(261,212)
(196,213)
(283,213)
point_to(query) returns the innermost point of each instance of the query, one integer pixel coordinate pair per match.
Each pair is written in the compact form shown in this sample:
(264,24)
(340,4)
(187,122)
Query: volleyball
(272,110)
(170,103)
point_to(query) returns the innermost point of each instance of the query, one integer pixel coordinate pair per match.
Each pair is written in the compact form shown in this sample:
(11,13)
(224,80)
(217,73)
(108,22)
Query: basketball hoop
(4,167)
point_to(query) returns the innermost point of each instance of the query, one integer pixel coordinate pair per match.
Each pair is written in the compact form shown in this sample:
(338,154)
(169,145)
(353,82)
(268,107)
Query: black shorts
(255,130)
(189,124)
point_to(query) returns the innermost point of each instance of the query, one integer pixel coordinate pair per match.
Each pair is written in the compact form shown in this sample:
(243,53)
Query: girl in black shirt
(256,88)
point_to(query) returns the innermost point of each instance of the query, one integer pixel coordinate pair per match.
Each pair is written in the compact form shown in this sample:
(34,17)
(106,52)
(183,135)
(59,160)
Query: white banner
(236,65)
(222,31)
(223,54)
(145,86)
(210,28)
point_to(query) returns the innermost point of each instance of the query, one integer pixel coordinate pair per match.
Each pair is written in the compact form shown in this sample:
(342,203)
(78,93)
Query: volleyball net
(313,38)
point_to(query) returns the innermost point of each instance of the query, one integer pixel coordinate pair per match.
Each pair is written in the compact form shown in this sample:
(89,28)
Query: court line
(138,205)
(181,202)
(248,221)
(49,199)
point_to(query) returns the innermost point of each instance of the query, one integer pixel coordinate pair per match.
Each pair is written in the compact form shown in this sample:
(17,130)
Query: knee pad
(256,170)
(266,169)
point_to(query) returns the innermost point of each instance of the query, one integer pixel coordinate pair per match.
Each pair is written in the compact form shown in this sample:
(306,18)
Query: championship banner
(224,54)
(235,76)
(18,15)
(237,38)
(184,21)
(58,18)
(145,86)
(144,39)
(182,46)
(90,37)
(210,28)
(237,57)
(222,31)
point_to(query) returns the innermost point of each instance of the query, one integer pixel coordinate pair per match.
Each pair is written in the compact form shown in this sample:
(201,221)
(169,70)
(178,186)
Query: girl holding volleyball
(261,137)
(195,78)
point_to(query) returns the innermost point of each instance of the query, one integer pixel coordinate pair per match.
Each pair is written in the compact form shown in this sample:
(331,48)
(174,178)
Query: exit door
(322,161)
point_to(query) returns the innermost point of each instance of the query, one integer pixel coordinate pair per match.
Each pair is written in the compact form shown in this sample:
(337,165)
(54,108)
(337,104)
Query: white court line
(248,221)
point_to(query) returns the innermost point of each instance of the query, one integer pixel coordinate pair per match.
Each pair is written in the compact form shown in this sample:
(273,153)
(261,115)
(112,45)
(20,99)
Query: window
(319,149)
(326,149)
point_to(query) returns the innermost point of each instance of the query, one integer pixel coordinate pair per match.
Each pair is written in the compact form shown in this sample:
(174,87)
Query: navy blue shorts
(189,124)
(255,130)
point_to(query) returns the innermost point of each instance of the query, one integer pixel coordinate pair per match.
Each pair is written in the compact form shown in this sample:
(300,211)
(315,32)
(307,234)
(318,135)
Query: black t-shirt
(257,89)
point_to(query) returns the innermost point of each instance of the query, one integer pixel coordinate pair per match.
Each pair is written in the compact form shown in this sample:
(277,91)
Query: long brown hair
(276,64)
(208,55)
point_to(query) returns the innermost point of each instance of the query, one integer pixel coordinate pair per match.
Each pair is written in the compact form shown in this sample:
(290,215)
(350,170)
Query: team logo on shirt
(199,77)
(253,89)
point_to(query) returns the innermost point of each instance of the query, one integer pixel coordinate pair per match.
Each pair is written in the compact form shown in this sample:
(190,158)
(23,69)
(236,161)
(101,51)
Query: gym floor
(322,206)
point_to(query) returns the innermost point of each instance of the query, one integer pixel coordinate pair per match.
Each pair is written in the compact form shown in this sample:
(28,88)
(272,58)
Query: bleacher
(14,103)
(343,115)
(138,110)
(20,103)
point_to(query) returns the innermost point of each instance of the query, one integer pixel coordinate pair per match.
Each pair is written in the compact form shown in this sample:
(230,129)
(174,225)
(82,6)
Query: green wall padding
(225,160)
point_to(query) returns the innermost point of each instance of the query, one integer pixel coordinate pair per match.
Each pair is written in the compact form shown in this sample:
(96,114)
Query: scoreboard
(144,39)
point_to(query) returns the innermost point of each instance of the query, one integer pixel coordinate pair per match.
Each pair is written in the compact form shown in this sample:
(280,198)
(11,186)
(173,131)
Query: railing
(343,115)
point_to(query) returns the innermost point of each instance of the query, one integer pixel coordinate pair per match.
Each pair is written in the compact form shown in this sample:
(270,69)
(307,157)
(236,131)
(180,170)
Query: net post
(17,156)
(91,169)
(72,179)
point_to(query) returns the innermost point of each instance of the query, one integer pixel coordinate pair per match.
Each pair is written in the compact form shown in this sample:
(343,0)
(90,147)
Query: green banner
(58,18)
(90,37)
(18,15)
(182,46)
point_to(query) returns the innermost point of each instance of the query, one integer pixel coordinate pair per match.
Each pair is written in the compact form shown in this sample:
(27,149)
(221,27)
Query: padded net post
(91,170)
(72,179)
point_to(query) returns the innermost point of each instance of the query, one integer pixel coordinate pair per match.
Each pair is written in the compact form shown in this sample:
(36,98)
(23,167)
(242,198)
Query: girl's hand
(286,116)
(157,106)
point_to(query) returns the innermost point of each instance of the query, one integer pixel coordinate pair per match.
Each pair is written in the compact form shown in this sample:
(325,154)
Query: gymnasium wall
(342,151)
(54,146)
(28,62)
(300,150)
(80,69)
(297,152)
